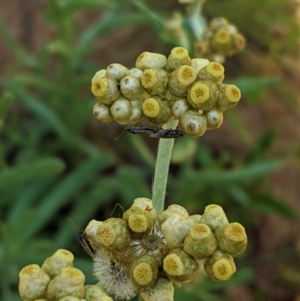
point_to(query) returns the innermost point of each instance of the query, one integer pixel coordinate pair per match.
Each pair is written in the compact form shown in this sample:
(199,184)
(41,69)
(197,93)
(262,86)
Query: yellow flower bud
(59,260)
(200,242)
(193,123)
(116,71)
(164,115)
(102,113)
(214,118)
(221,42)
(219,266)
(144,271)
(33,282)
(113,234)
(146,205)
(99,74)
(179,56)
(155,81)
(131,87)
(121,110)
(218,23)
(163,290)
(213,71)
(203,95)
(214,217)
(239,43)
(139,220)
(180,266)
(232,239)
(105,90)
(180,80)
(69,282)
(150,60)
(229,97)
(179,107)
(152,107)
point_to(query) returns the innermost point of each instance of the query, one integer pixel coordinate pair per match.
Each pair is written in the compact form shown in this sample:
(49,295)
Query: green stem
(165,147)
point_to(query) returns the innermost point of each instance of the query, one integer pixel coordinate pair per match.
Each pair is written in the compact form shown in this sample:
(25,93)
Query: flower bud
(121,110)
(175,229)
(91,232)
(150,60)
(221,41)
(200,242)
(155,81)
(179,107)
(180,266)
(213,71)
(116,71)
(193,123)
(102,113)
(152,107)
(144,271)
(95,293)
(33,282)
(219,266)
(181,79)
(99,74)
(173,209)
(203,95)
(214,217)
(113,234)
(145,204)
(67,298)
(136,72)
(198,64)
(229,97)
(59,260)
(214,118)
(137,112)
(69,282)
(131,87)
(105,90)
(163,290)
(217,23)
(231,239)
(179,56)
(139,220)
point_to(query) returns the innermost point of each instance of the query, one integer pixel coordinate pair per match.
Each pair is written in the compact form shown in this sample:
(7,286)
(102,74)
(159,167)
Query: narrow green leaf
(267,204)
(48,167)
(65,189)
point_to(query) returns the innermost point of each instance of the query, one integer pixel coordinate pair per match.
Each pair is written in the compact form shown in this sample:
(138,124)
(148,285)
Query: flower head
(153,243)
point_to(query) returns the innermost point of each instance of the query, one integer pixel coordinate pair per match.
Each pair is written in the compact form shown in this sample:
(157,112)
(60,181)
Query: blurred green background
(59,167)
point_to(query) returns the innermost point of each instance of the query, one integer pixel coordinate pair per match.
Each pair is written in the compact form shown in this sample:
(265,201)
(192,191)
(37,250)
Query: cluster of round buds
(57,280)
(150,254)
(162,88)
(219,40)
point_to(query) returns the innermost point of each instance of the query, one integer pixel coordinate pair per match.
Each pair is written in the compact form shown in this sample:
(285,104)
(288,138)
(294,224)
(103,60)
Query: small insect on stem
(166,133)
(155,133)
(84,241)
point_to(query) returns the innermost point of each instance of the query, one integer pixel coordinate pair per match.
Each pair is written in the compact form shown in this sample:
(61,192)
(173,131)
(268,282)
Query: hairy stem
(165,147)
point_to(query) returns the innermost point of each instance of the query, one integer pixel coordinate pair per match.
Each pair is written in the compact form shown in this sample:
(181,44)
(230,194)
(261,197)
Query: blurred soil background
(272,51)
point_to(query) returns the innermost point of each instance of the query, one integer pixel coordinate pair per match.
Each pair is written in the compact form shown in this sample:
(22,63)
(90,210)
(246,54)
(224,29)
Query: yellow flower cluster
(219,40)
(162,88)
(57,280)
(149,254)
